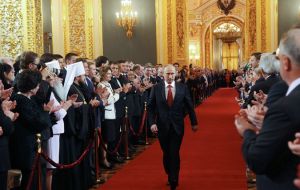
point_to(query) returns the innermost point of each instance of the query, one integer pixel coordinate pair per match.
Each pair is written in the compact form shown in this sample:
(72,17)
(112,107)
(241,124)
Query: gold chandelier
(127,18)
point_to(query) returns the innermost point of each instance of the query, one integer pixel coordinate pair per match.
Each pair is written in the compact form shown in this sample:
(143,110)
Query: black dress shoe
(117,159)
(173,185)
(106,165)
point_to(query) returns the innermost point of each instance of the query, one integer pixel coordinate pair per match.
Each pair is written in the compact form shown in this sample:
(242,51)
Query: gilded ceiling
(203,12)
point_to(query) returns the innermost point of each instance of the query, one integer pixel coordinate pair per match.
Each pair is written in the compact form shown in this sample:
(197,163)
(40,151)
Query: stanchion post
(126,134)
(97,169)
(39,143)
(145,124)
(39,150)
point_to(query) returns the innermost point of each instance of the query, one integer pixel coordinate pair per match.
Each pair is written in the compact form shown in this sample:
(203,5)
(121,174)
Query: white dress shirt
(293,85)
(167,89)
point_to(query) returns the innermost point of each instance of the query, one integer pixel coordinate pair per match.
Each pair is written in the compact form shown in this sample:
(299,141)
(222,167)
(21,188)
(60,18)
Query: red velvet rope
(141,128)
(67,166)
(116,148)
(35,163)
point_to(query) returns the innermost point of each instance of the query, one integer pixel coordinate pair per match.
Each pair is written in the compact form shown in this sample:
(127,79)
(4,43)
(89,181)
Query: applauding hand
(154,128)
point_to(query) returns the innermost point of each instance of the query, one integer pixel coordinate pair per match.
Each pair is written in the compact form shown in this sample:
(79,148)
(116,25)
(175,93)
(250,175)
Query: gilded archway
(208,38)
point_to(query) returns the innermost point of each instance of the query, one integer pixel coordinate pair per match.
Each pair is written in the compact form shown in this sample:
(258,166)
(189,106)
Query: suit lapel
(163,91)
(177,90)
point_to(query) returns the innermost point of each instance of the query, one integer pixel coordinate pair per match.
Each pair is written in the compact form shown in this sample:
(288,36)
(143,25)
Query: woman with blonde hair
(109,123)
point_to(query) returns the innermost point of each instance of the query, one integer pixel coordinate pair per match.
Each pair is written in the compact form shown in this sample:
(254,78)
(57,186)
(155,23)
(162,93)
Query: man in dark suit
(167,103)
(267,152)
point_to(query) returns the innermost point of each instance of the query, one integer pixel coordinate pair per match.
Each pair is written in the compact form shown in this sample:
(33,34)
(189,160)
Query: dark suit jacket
(170,116)
(277,91)
(263,85)
(267,153)
(121,103)
(7,127)
(32,120)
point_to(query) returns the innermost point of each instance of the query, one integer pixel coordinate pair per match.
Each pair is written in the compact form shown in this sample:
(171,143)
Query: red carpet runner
(210,159)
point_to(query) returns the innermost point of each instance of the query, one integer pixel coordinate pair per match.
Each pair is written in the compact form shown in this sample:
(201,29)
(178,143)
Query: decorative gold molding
(251,26)
(30,23)
(206,63)
(169,31)
(11,33)
(66,26)
(22,26)
(34,26)
(181,32)
(263,26)
(180,24)
(77,27)
(89,28)
(39,28)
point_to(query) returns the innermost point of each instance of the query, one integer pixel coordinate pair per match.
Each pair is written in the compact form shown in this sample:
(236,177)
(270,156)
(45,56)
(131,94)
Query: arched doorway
(224,43)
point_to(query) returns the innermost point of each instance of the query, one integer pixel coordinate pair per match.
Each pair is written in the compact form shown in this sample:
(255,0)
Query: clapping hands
(7,106)
(256,114)
(49,107)
(73,99)
(260,97)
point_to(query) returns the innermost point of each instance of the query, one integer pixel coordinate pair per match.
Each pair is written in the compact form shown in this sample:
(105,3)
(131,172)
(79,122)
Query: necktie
(170,96)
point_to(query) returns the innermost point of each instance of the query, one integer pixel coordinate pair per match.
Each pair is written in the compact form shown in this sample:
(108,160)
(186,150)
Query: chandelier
(126,17)
(227,31)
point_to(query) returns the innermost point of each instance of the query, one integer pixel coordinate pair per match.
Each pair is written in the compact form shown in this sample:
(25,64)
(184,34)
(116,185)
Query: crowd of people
(269,95)
(67,103)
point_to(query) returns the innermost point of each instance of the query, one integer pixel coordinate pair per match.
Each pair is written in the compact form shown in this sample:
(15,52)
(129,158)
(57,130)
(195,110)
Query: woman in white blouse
(109,124)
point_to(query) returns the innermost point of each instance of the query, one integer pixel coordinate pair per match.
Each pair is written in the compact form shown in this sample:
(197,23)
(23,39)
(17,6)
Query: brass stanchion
(127,157)
(145,124)
(97,169)
(39,143)
(39,150)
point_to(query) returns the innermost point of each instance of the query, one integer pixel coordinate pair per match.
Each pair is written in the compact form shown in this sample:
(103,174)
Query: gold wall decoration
(34,26)
(21,27)
(251,27)
(77,27)
(205,14)
(11,33)
(180,23)
(172,31)
(89,36)
(89,28)
(263,26)
(207,42)
(209,54)
(39,39)
(194,30)
(181,33)
(169,31)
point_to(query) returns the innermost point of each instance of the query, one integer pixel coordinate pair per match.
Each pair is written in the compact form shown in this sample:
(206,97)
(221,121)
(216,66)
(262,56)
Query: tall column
(161,11)
(77,27)
(261,26)
(171,30)
(58,18)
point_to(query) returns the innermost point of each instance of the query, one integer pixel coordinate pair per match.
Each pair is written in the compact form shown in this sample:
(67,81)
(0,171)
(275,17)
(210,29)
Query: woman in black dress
(31,121)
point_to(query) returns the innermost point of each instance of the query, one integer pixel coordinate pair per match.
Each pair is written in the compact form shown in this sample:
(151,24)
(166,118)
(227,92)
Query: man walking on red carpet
(167,104)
